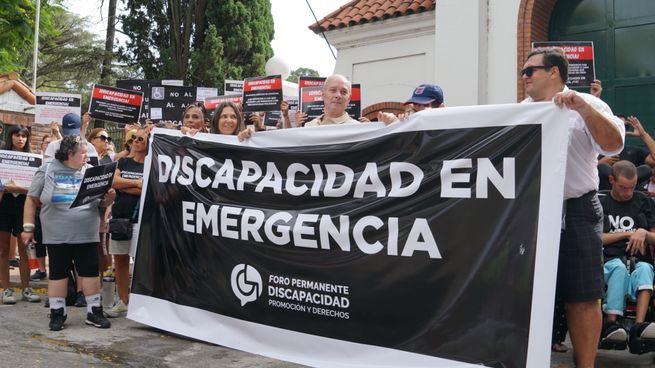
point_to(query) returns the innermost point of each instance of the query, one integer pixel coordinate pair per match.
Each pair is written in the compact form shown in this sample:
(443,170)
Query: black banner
(262,93)
(143,85)
(168,102)
(96,182)
(115,104)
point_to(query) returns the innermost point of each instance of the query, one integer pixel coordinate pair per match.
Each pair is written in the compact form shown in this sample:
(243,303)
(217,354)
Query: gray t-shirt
(53,147)
(56,185)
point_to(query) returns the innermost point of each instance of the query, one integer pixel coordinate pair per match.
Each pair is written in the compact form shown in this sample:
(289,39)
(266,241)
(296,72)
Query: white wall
(475,61)
(12,101)
(388,58)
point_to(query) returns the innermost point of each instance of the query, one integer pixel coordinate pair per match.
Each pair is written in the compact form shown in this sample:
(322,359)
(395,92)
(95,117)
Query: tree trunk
(105,72)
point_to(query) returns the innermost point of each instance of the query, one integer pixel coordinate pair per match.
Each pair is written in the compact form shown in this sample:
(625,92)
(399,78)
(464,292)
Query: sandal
(559,348)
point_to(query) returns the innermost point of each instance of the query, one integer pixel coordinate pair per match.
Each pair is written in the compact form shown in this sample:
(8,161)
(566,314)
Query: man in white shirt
(593,129)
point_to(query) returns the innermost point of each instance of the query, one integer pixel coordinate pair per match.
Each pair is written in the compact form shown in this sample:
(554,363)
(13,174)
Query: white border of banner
(326,352)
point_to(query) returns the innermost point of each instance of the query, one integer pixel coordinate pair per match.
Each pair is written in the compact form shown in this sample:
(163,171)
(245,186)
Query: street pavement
(25,341)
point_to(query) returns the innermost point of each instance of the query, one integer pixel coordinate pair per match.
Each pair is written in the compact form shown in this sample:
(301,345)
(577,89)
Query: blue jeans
(620,283)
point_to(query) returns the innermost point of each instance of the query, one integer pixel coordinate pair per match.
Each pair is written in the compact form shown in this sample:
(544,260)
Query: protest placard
(18,167)
(262,93)
(169,102)
(212,102)
(233,87)
(311,102)
(115,104)
(52,106)
(143,85)
(96,182)
(354,108)
(580,55)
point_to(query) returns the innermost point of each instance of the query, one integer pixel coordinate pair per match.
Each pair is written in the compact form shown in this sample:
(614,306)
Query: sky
(293,42)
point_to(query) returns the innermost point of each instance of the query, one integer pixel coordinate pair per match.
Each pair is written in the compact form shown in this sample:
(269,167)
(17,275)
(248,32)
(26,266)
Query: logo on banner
(157,93)
(246,283)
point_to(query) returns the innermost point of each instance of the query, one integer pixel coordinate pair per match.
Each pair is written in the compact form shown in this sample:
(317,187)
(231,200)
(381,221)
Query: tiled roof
(366,11)
(12,81)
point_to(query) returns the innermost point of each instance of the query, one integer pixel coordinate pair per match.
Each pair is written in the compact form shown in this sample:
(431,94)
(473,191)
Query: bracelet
(28,227)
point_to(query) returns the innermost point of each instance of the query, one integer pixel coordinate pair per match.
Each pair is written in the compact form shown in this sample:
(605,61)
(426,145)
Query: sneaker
(8,297)
(613,331)
(29,296)
(97,319)
(81,300)
(14,262)
(57,319)
(39,275)
(643,330)
(118,310)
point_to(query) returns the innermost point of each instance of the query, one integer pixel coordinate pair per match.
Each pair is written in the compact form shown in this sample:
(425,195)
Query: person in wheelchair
(628,230)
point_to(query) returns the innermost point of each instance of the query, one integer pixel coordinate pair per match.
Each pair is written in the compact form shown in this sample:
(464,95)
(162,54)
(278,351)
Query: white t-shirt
(582,155)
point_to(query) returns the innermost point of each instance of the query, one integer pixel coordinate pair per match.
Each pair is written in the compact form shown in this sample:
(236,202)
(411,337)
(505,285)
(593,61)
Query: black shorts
(85,257)
(11,213)
(580,267)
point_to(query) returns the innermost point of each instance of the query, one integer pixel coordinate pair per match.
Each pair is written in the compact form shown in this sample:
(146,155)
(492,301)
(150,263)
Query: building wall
(476,43)
(388,58)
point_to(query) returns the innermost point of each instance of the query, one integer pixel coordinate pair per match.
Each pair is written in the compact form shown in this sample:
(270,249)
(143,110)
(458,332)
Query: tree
(302,72)
(69,60)
(17,19)
(199,41)
(109,42)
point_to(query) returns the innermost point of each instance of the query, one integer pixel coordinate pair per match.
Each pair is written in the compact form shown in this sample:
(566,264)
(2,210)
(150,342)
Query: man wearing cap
(425,96)
(71,125)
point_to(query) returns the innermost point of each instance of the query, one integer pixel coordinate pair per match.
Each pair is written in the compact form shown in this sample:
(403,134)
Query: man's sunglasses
(530,70)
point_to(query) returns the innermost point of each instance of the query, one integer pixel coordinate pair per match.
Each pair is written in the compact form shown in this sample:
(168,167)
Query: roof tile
(364,11)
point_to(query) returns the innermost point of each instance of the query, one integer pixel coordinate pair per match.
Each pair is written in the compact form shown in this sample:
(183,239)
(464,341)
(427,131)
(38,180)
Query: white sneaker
(8,297)
(118,310)
(29,296)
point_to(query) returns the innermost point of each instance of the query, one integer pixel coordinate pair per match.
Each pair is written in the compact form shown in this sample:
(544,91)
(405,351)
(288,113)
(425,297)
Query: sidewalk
(100,349)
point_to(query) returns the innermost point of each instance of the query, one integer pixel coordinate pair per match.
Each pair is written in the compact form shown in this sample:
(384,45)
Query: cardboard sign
(212,102)
(143,85)
(52,106)
(580,55)
(271,118)
(262,93)
(354,108)
(96,182)
(311,102)
(18,167)
(233,87)
(168,102)
(115,104)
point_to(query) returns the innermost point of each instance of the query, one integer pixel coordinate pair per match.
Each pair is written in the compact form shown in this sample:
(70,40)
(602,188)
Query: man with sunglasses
(593,129)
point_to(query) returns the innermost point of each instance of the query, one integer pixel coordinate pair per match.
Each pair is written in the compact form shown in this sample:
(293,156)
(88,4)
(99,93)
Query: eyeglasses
(104,138)
(528,71)
(140,139)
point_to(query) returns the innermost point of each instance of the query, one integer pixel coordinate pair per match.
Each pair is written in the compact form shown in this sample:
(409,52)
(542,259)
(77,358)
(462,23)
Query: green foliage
(69,59)
(302,72)
(203,42)
(17,19)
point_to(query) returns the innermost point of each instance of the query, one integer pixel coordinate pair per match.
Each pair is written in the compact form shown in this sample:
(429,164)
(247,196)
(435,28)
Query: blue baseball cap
(426,94)
(70,124)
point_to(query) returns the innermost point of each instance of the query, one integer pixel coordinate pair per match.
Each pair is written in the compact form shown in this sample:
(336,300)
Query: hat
(426,94)
(70,124)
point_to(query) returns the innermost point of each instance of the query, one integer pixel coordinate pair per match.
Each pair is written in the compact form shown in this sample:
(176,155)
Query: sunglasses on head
(530,70)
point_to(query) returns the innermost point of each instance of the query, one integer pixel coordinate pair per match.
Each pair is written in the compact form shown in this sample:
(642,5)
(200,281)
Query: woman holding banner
(227,119)
(128,182)
(11,217)
(70,234)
